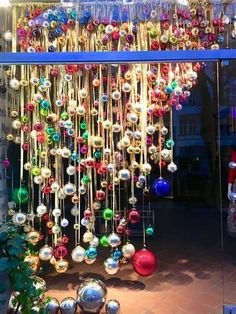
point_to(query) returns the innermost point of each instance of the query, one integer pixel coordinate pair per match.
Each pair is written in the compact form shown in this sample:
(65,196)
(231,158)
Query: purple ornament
(5,163)
(161,187)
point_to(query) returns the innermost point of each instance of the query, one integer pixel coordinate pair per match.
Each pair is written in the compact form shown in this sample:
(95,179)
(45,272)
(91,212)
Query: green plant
(12,250)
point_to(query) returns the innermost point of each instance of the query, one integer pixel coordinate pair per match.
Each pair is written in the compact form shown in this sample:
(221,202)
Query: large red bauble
(144,262)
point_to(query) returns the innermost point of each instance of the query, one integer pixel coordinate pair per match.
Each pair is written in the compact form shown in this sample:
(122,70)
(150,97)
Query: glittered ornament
(144,262)
(161,187)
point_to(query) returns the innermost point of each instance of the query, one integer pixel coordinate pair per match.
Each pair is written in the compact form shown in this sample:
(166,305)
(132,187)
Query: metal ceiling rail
(116,57)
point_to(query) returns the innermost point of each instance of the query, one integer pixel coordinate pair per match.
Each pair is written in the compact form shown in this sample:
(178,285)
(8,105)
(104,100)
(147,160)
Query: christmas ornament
(91,295)
(112,266)
(68,306)
(112,307)
(128,250)
(52,306)
(144,262)
(46,253)
(161,187)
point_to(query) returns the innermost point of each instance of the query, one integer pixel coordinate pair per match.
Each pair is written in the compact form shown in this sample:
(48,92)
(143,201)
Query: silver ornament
(19,218)
(7,36)
(114,240)
(78,254)
(172,167)
(45,253)
(91,295)
(112,266)
(52,306)
(128,250)
(112,307)
(68,306)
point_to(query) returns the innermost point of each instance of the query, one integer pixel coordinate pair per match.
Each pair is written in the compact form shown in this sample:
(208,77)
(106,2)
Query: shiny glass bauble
(161,187)
(91,295)
(144,262)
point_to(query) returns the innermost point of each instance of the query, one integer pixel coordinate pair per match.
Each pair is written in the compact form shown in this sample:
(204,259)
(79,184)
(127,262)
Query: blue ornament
(117,254)
(220,39)
(161,187)
(112,307)
(74,156)
(91,252)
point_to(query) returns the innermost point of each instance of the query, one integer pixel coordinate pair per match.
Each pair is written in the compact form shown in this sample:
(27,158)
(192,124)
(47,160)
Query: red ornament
(87,213)
(60,251)
(64,239)
(120,229)
(45,217)
(134,216)
(144,262)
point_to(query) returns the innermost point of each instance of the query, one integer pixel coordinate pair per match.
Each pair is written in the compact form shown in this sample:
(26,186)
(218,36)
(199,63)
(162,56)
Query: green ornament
(149,230)
(36,171)
(85,180)
(43,112)
(101,28)
(104,241)
(174,84)
(170,143)
(64,115)
(24,119)
(50,130)
(20,195)
(153,32)
(85,135)
(97,154)
(49,140)
(107,214)
(83,126)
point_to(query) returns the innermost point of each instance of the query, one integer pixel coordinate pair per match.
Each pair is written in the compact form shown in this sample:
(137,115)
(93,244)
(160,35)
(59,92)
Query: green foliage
(12,250)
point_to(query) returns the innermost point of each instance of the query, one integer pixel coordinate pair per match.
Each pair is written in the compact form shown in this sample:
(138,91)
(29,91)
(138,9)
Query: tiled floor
(189,278)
